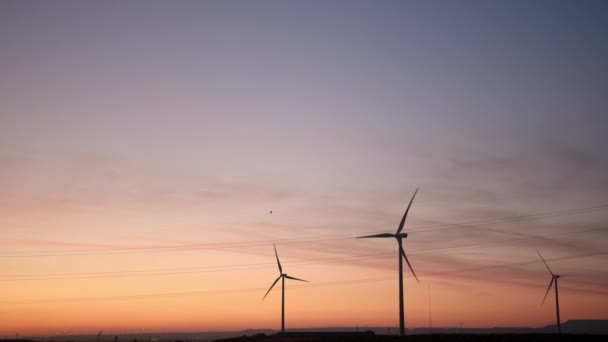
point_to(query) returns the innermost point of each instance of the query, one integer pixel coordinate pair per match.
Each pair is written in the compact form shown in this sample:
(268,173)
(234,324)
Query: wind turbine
(554,278)
(399,236)
(282,276)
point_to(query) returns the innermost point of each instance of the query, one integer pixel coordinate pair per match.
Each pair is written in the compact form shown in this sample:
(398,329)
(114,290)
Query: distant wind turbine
(554,278)
(282,276)
(399,236)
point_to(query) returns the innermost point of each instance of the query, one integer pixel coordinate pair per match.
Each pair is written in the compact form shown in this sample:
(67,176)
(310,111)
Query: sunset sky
(143,145)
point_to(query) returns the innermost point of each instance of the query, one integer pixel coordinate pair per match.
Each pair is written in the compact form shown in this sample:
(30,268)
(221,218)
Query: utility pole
(559,326)
(430,316)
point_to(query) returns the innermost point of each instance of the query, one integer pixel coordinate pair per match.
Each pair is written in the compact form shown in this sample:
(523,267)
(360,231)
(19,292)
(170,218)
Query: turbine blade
(410,265)
(278,262)
(290,277)
(406,211)
(548,288)
(384,235)
(543,259)
(271,286)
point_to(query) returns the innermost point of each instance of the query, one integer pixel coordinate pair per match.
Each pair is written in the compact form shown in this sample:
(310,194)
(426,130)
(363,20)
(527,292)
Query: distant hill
(583,326)
(587,327)
(369,336)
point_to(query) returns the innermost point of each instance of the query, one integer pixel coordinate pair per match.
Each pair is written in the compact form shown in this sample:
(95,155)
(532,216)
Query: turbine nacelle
(384,235)
(553,281)
(399,236)
(554,278)
(281,274)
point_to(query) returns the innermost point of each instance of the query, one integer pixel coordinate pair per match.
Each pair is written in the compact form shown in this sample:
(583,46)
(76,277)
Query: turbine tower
(282,276)
(399,236)
(554,278)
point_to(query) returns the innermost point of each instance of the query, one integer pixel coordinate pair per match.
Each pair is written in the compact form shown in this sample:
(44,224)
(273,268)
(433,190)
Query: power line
(511,219)
(493,243)
(171,271)
(520,263)
(243,244)
(261,289)
(238,267)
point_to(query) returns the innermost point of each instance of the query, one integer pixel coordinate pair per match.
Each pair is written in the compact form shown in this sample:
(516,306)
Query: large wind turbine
(399,236)
(554,278)
(282,276)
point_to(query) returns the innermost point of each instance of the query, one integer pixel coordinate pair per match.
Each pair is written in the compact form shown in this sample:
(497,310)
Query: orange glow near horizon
(303,309)
(455,297)
(353,282)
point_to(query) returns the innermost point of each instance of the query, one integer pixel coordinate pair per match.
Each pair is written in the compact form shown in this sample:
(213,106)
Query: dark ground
(371,337)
